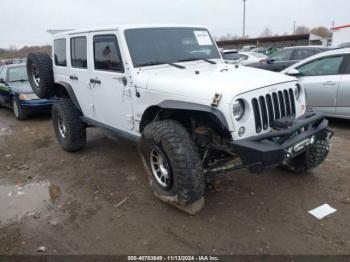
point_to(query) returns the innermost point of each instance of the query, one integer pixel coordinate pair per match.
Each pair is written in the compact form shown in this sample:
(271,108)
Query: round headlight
(238,109)
(297,91)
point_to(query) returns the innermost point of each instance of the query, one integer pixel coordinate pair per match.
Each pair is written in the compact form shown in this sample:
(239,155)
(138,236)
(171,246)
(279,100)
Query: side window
(347,67)
(78,51)
(3,73)
(243,57)
(107,54)
(283,55)
(60,52)
(323,66)
(231,56)
(301,54)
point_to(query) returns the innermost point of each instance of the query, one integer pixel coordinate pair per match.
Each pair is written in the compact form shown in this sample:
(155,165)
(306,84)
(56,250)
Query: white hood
(201,80)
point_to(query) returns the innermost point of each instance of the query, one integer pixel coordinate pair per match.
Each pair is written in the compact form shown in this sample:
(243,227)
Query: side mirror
(269,60)
(293,72)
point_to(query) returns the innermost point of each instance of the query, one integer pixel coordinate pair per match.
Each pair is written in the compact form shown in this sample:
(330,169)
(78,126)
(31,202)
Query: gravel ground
(97,201)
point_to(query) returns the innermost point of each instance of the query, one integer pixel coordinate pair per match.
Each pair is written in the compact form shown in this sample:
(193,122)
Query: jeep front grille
(273,106)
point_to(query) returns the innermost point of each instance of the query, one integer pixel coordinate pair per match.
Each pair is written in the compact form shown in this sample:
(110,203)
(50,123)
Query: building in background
(341,35)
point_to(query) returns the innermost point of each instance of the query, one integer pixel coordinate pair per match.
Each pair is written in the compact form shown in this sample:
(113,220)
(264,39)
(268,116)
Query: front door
(111,94)
(321,79)
(4,89)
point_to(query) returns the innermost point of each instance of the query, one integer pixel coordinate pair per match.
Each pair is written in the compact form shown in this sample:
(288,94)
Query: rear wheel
(18,110)
(69,129)
(173,164)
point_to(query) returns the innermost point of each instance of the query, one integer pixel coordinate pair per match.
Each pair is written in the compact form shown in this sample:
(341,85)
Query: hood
(21,87)
(202,80)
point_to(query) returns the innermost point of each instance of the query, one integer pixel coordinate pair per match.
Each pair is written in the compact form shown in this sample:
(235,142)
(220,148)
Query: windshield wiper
(196,59)
(177,66)
(209,61)
(161,63)
(19,80)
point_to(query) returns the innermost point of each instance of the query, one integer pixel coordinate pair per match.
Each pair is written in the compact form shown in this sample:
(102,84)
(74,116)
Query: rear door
(4,88)
(111,94)
(321,78)
(343,97)
(79,77)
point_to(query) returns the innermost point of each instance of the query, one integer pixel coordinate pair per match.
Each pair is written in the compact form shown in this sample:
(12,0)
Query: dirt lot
(71,203)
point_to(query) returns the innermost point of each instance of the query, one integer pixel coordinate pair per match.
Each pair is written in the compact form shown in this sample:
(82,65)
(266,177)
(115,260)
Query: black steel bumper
(277,147)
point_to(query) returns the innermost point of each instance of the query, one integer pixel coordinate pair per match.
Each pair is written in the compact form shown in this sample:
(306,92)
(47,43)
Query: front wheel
(18,110)
(173,164)
(69,129)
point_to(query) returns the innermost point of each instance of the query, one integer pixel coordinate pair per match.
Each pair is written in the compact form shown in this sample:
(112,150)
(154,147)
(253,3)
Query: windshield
(18,74)
(154,46)
(231,56)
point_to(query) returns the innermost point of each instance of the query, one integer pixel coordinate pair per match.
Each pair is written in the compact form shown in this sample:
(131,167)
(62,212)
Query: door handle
(95,81)
(73,77)
(329,83)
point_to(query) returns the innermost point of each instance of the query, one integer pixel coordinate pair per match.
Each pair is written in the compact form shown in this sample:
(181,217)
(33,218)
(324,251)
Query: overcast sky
(24,22)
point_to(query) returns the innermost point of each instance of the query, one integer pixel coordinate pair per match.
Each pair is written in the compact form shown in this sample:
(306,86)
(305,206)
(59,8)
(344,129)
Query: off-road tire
(188,184)
(75,129)
(309,160)
(41,63)
(19,112)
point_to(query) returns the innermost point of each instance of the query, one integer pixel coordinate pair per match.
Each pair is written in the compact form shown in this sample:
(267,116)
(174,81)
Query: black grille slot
(263,110)
(257,115)
(270,108)
(282,104)
(273,106)
(291,95)
(276,106)
(288,105)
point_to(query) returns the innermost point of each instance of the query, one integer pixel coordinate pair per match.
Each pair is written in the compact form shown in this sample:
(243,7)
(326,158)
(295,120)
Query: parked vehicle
(287,57)
(326,78)
(16,93)
(344,45)
(248,48)
(251,57)
(168,88)
(245,58)
(231,56)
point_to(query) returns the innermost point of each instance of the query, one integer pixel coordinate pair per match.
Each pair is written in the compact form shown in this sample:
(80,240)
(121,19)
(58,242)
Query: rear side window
(283,55)
(107,54)
(78,50)
(300,54)
(60,52)
(323,66)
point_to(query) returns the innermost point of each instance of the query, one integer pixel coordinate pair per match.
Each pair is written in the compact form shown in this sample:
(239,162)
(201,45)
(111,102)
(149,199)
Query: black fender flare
(71,94)
(173,104)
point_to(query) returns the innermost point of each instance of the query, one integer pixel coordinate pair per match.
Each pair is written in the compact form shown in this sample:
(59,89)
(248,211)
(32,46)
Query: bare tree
(266,33)
(301,30)
(12,48)
(322,31)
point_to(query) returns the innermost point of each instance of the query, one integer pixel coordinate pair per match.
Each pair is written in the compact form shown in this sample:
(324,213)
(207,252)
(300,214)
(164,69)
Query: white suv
(193,115)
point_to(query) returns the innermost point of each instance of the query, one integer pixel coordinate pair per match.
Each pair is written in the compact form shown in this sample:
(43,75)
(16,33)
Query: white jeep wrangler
(193,115)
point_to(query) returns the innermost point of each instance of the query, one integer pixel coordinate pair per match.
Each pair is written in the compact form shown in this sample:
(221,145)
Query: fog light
(241,131)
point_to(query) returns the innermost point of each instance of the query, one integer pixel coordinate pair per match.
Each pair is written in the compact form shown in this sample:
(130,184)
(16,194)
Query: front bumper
(37,105)
(279,147)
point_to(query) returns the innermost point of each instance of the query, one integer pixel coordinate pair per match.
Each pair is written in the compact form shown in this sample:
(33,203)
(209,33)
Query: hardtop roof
(122,28)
